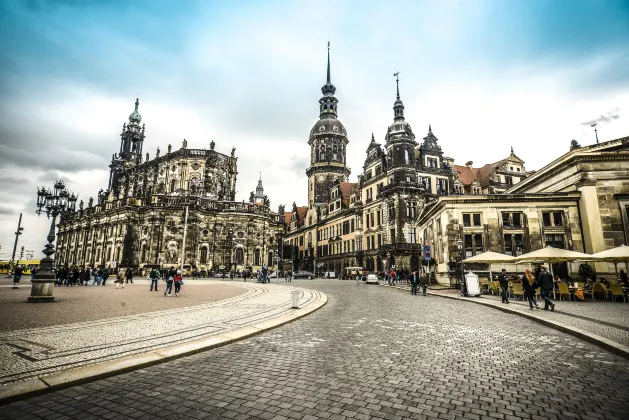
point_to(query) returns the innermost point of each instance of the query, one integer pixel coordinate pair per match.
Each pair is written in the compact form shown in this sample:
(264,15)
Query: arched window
(143,258)
(204,255)
(270,260)
(240,257)
(173,185)
(256,257)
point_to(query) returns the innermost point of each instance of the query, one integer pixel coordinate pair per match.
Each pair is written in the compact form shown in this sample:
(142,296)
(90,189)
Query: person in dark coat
(528,284)
(414,282)
(545,282)
(129,275)
(504,285)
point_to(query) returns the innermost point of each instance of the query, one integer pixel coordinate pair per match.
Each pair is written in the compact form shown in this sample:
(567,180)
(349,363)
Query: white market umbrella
(552,255)
(489,257)
(615,255)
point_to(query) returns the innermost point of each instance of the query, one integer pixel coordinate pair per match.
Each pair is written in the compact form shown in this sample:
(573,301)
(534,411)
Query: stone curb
(65,379)
(603,342)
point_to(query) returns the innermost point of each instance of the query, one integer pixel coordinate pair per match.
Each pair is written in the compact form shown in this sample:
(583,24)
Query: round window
(173,230)
(241,234)
(206,232)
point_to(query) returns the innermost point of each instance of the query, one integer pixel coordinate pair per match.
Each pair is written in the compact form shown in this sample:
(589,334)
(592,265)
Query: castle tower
(328,144)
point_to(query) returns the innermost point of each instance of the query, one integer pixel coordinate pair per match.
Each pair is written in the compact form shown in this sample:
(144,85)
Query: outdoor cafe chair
(516,290)
(564,290)
(598,288)
(615,291)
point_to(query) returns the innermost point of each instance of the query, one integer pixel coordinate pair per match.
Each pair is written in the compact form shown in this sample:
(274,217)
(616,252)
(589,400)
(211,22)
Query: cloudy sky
(486,74)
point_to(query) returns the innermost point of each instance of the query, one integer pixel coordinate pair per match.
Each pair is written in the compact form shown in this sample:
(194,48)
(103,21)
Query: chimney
(469,164)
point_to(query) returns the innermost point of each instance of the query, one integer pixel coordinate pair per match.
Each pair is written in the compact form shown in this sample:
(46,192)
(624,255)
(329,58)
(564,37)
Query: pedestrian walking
(105,275)
(178,280)
(129,275)
(87,274)
(528,284)
(169,281)
(97,277)
(414,282)
(504,285)
(120,278)
(545,282)
(423,282)
(154,275)
(17,276)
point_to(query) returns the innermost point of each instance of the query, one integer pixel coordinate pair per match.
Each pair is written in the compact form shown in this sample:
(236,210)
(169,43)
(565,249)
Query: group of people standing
(417,279)
(542,279)
(172,277)
(74,276)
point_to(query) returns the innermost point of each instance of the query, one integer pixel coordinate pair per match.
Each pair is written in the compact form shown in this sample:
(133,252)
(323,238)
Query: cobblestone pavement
(605,318)
(371,352)
(34,352)
(90,303)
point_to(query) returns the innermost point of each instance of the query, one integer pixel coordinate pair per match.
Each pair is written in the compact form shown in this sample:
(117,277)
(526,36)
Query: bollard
(295,298)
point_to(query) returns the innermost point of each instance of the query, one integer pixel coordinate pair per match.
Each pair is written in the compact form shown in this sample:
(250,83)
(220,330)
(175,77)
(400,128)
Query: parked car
(303,275)
(372,279)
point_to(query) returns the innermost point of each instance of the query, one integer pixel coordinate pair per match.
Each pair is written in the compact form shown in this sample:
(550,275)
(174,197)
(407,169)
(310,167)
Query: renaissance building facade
(412,206)
(176,209)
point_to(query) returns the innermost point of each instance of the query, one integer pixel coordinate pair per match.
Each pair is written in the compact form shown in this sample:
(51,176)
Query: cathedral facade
(177,209)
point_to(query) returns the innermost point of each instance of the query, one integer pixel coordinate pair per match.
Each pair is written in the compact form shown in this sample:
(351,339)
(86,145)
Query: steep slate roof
(466,175)
(287,216)
(301,213)
(346,188)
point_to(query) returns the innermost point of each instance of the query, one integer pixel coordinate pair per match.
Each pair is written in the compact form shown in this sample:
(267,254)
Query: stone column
(591,220)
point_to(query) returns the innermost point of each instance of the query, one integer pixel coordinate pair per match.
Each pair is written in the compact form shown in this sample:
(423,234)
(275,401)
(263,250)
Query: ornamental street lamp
(54,202)
(459,245)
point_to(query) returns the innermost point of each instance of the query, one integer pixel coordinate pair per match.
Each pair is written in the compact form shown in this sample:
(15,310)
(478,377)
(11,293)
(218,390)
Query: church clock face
(321,178)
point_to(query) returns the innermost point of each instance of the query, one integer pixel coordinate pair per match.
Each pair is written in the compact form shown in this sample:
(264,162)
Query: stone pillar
(591,220)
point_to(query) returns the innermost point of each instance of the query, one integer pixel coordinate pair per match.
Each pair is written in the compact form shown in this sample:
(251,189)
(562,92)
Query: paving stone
(455,360)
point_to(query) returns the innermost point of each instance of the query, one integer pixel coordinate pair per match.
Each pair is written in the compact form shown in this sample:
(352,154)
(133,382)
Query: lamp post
(459,245)
(55,201)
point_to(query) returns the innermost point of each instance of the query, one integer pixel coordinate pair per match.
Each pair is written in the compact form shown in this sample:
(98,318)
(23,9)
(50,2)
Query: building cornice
(593,153)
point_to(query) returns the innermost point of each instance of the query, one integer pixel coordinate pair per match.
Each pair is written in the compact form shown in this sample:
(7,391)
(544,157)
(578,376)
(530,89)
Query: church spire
(327,104)
(329,81)
(398,106)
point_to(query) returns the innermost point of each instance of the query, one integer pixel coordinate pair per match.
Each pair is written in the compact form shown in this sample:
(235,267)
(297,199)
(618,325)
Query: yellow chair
(615,291)
(491,287)
(564,290)
(516,290)
(598,288)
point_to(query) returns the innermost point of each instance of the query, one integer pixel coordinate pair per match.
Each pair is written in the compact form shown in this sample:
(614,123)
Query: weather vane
(595,130)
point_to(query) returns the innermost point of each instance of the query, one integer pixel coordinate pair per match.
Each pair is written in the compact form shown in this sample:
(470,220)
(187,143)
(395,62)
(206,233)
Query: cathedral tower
(131,142)
(328,144)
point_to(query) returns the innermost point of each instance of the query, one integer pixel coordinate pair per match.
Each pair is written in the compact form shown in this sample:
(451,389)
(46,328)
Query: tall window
(270,259)
(513,245)
(442,186)
(240,256)
(512,220)
(256,257)
(173,185)
(554,218)
(204,255)
(556,241)
(391,211)
(473,244)
(411,236)
(411,209)
(392,236)
(471,219)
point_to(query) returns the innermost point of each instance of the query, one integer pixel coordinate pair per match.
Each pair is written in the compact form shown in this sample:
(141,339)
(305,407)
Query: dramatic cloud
(609,117)
(6,210)
(487,75)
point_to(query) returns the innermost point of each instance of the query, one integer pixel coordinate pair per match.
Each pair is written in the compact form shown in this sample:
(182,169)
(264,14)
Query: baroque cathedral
(177,209)
(413,207)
